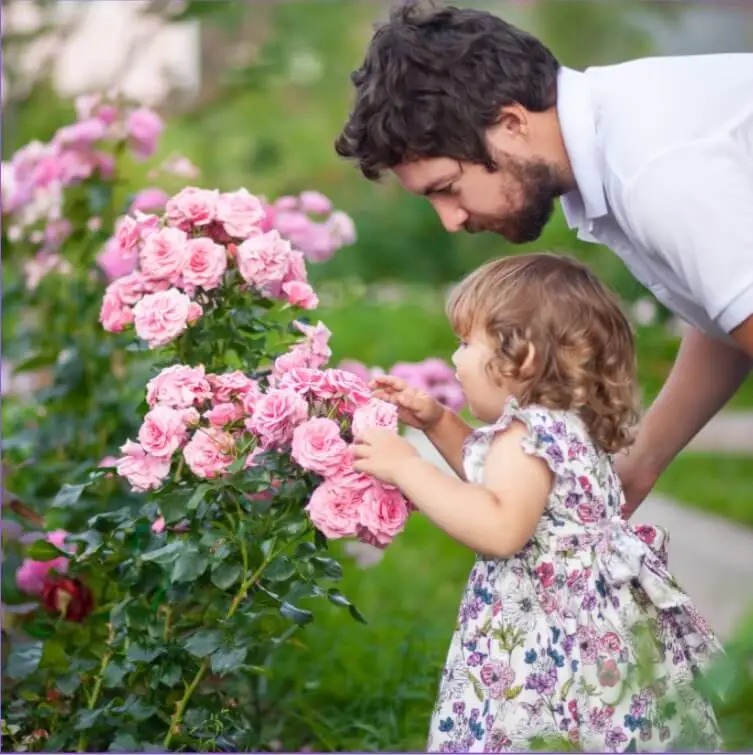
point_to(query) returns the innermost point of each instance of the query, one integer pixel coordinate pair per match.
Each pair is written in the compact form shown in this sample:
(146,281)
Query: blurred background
(254,93)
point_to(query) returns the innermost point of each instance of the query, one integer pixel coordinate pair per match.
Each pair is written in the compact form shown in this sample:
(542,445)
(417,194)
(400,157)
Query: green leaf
(227,659)
(86,718)
(280,569)
(198,496)
(93,541)
(203,642)
(113,675)
(124,742)
(166,554)
(298,615)
(171,675)
(68,684)
(226,575)
(68,495)
(191,564)
(328,567)
(42,550)
(36,361)
(139,654)
(336,597)
(23,659)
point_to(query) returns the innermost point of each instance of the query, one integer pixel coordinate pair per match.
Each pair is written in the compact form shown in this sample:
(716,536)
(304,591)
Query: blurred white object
(146,59)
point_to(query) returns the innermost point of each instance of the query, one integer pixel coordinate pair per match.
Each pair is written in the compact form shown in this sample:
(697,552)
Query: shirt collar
(578,124)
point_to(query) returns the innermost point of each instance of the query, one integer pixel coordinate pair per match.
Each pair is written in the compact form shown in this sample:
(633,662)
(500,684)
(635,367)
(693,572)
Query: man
(653,158)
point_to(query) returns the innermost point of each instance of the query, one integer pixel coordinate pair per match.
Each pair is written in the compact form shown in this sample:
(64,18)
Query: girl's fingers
(388,381)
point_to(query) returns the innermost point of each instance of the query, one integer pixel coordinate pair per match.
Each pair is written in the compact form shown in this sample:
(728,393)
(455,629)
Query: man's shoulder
(650,106)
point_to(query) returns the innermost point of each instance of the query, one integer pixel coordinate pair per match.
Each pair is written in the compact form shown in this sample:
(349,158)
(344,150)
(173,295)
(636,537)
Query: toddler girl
(570,627)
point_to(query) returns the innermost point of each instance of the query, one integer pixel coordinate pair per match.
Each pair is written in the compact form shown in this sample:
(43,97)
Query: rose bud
(68,596)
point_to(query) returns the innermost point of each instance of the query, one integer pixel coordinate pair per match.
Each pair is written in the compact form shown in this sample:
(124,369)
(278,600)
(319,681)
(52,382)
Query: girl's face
(485,395)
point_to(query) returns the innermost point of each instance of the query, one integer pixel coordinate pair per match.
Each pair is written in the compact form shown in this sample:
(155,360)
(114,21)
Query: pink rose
(164,254)
(376,413)
(128,288)
(113,263)
(300,294)
(350,391)
(158,526)
(113,314)
(341,228)
(149,200)
(127,236)
(276,415)
(162,432)
(314,202)
(383,512)
(334,509)
(142,470)
(232,385)
(144,129)
(192,207)
(160,318)
(264,262)
(31,575)
(298,358)
(292,223)
(209,453)
(178,386)
(240,213)
(317,338)
(224,414)
(304,380)
(590,512)
(359,369)
(205,264)
(81,134)
(318,447)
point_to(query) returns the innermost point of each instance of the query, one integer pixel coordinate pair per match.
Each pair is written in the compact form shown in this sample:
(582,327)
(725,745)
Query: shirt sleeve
(692,210)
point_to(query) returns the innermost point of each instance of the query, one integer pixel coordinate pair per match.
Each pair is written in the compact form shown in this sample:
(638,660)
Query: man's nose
(451,214)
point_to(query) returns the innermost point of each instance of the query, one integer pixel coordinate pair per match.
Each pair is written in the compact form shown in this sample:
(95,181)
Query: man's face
(515,201)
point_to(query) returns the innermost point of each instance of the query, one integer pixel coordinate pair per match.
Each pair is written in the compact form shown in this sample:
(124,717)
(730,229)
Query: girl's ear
(527,369)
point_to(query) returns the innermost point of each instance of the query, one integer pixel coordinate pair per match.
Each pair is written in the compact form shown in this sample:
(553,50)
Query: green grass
(721,485)
(371,688)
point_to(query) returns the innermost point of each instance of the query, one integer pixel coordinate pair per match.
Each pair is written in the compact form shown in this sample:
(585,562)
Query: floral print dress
(584,638)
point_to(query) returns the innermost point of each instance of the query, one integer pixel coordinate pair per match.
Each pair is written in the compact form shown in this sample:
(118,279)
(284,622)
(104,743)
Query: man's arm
(705,376)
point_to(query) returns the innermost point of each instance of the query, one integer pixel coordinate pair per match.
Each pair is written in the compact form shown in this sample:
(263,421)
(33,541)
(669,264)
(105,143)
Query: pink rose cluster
(305,411)
(432,375)
(182,257)
(318,237)
(35,178)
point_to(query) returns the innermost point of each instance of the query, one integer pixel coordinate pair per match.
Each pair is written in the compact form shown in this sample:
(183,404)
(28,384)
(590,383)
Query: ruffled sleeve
(548,433)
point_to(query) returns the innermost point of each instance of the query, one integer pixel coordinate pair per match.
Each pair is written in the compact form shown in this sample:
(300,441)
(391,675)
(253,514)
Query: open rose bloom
(181,262)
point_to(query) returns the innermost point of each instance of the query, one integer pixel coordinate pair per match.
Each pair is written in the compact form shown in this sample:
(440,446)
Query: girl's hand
(415,408)
(382,454)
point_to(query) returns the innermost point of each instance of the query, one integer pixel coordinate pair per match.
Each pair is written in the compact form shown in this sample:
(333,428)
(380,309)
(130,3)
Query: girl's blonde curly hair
(583,346)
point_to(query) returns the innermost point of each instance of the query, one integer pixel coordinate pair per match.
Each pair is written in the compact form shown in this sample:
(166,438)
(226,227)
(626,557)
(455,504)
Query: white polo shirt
(662,152)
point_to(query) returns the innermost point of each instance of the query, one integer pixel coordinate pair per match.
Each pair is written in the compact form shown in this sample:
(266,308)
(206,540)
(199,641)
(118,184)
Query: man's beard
(539,184)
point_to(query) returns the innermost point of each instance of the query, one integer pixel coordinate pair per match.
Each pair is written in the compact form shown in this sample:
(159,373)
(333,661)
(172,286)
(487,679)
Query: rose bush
(158,621)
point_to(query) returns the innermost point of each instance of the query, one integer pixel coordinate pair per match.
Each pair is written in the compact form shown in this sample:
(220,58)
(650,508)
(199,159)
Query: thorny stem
(82,740)
(180,707)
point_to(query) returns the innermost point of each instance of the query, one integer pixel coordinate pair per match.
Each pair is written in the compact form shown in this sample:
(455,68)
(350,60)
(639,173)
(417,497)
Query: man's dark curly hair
(434,79)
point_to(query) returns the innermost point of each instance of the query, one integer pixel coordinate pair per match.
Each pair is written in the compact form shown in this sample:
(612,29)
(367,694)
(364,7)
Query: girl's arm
(496,519)
(448,435)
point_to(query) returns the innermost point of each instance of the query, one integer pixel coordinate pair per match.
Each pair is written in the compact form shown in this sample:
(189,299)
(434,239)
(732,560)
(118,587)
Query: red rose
(68,596)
